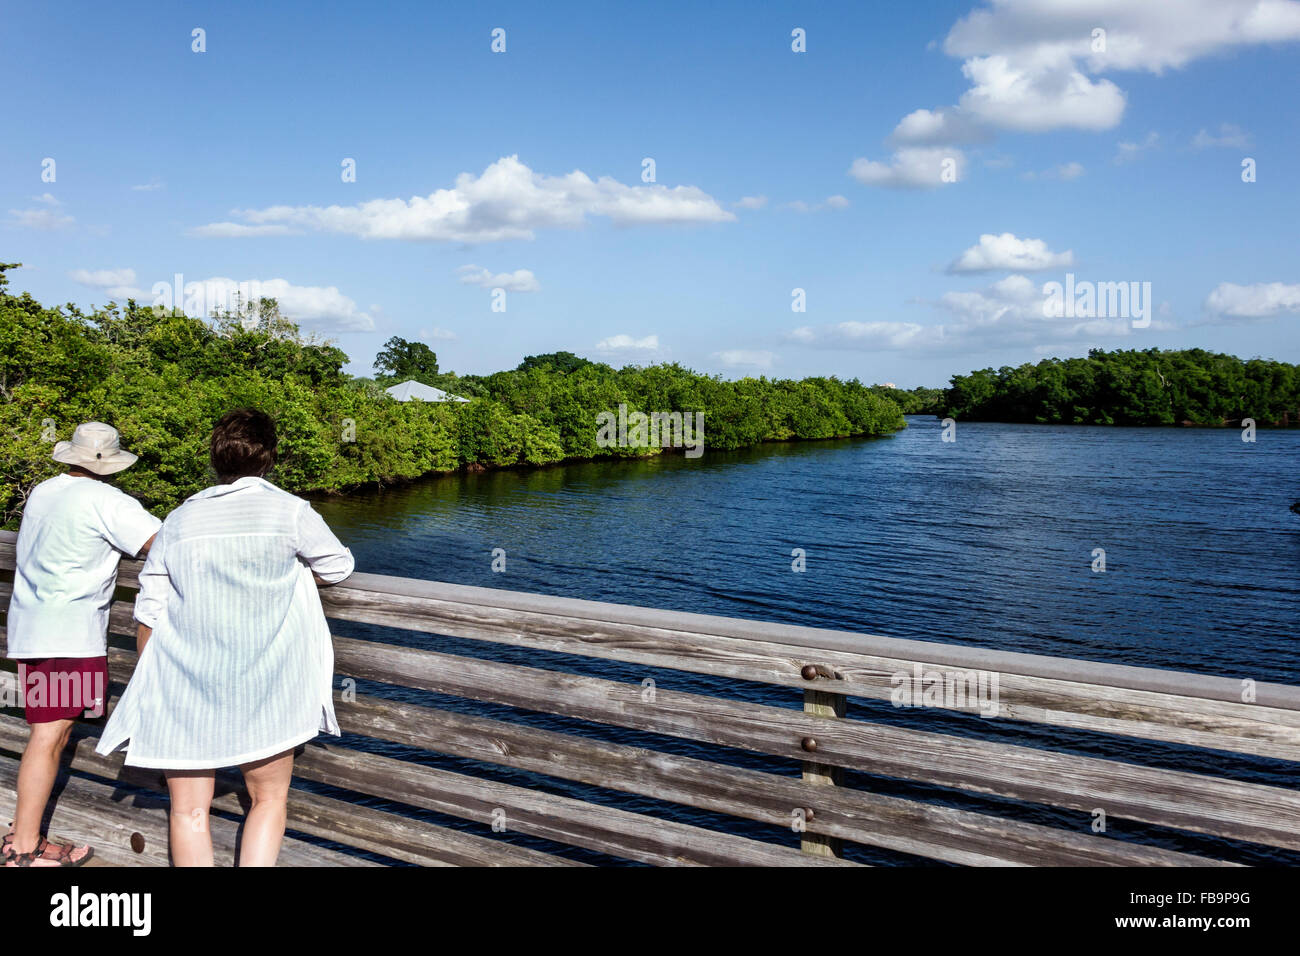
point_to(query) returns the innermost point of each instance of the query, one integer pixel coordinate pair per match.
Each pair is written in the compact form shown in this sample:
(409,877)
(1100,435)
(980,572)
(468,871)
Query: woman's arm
(320,550)
(142,634)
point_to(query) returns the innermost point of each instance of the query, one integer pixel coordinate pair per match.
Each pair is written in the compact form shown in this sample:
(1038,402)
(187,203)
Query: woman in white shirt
(236,663)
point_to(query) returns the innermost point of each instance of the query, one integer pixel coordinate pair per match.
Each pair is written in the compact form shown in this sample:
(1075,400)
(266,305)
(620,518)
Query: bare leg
(268,787)
(36,773)
(191,800)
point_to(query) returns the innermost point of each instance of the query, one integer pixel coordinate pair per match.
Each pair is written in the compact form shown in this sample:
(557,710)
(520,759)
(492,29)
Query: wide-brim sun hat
(96,448)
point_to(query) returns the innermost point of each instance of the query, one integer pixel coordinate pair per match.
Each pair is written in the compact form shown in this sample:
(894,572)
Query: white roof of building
(405,391)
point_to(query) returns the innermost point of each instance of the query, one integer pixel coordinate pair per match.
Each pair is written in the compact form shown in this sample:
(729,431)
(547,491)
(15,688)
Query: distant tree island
(1146,387)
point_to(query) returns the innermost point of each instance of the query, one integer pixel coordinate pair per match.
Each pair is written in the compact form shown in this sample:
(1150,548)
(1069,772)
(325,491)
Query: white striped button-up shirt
(240,664)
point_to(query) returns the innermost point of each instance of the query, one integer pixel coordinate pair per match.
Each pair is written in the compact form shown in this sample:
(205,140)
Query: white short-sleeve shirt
(73,533)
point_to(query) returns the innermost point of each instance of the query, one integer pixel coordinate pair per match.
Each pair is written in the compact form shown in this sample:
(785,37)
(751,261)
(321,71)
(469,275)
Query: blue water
(987,540)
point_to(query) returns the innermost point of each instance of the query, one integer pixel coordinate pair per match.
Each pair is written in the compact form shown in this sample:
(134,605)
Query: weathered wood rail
(810,816)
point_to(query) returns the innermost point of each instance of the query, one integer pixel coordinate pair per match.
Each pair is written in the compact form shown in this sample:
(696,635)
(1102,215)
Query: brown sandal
(63,855)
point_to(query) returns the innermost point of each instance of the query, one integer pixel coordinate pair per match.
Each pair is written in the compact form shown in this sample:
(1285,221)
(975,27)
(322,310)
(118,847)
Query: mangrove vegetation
(162,378)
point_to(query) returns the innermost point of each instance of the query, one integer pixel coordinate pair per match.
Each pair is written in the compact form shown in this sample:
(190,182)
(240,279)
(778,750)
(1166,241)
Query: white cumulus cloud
(745,358)
(1007,314)
(864,336)
(318,308)
(830,202)
(521,280)
(619,343)
(1261,300)
(1006,252)
(1128,151)
(939,127)
(1041,93)
(1150,37)
(116,283)
(911,168)
(508,201)
(1229,135)
(102,278)
(1038,65)
(46,220)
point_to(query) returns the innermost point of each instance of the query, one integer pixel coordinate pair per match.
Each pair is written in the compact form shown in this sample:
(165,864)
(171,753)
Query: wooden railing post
(821,704)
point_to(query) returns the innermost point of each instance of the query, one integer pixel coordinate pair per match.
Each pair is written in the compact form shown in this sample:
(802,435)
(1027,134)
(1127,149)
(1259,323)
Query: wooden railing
(810,818)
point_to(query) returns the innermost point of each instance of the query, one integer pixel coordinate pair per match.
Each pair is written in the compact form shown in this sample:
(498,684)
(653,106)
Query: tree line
(162,378)
(1131,387)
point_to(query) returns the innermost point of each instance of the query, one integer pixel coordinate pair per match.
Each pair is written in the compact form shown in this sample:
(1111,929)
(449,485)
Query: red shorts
(63,688)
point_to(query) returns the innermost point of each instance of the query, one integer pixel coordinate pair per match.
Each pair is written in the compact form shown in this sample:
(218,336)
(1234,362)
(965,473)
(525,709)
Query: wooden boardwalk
(808,812)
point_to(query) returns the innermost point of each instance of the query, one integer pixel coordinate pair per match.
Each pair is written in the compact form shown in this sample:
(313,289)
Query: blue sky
(774,170)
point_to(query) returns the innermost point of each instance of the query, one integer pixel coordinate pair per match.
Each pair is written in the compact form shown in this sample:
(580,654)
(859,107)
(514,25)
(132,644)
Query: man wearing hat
(75,528)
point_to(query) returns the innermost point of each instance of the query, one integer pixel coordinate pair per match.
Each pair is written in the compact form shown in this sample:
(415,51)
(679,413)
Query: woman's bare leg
(268,787)
(191,801)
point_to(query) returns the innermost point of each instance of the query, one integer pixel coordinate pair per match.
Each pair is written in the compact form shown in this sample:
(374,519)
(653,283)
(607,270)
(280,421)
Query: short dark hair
(243,444)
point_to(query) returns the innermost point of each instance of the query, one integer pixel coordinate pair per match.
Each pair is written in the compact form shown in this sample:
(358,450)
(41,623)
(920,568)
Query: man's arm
(155,586)
(124,524)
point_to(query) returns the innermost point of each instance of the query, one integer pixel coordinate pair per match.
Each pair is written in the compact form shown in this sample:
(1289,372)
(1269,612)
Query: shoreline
(478,468)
